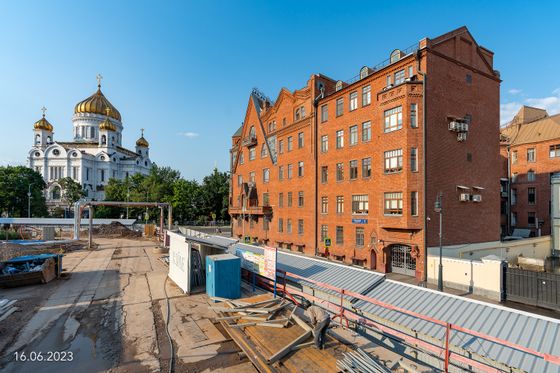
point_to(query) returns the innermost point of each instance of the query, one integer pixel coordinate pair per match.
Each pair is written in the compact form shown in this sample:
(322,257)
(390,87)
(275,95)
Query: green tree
(186,200)
(215,192)
(15,182)
(71,190)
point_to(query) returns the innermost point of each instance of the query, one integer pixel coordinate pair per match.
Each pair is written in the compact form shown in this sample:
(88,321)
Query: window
(300,199)
(413,119)
(531,195)
(302,110)
(388,80)
(271,126)
(410,71)
(339,139)
(531,176)
(252,177)
(297,115)
(531,219)
(324,173)
(366,95)
(353,101)
(393,119)
(514,219)
(266,175)
(393,161)
(300,169)
(531,156)
(280,172)
(339,204)
(281,146)
(289,171)
(339,171)
(514,178)
(513,196)
(514,157)
(289,199)
(366,167)
(300,226)
(353,169)
(252,132)
(102,173)
(339,235)
(324,113)
(280,199)
(353,135)
(554,151)
(252,154)
(241,158)
(290,144)
(265,223)
(92,132)
(339,106)
(266,199)
(75,172)
(289,226)
(87,173)
(360,204)
(366,131)
(280,225)
(324,232)
(399,77)
(393,203)
(413,160)
(359,236)
(264,150)
(324,143)
(324,205)
(414,203)
(300,140)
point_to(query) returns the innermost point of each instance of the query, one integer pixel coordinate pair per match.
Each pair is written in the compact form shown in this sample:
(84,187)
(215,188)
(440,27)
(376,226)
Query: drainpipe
(425,224)
(316,182)
(508,202)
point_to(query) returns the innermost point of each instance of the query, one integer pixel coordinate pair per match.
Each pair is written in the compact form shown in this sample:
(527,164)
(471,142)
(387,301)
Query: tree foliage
(191,201)
(71,190)
(15,182)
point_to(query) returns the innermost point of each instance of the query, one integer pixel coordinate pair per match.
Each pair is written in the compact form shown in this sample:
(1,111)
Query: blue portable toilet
(223,276)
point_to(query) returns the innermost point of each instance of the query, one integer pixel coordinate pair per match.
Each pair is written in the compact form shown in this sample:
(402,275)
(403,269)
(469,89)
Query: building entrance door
(402,260)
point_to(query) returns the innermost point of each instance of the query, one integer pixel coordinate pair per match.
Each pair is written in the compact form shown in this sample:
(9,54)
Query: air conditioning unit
(464,197)
(504,194)
(477,198)
(462,136)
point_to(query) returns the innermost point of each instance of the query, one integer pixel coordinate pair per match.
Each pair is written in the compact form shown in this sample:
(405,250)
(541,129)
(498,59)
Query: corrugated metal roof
(539,130)
(208,239)
(523,328)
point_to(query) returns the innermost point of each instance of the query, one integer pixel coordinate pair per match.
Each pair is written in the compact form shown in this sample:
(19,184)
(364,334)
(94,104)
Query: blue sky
(183,70)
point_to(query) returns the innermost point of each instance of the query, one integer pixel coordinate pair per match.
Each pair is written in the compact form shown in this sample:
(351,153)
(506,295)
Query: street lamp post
(439,209)
(29,200)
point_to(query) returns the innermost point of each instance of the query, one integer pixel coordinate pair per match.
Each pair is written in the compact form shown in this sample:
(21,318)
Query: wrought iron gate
(402,260)
(535,288)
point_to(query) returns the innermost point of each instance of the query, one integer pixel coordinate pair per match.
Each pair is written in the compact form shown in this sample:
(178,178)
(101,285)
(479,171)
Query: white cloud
(514,91)
(190,135)
(551,104)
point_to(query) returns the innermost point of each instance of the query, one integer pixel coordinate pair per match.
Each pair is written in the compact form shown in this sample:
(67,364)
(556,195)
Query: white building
(93,157)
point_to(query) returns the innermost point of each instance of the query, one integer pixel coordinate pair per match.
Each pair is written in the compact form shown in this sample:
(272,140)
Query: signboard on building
(261,264)
(328,242)
(359,221)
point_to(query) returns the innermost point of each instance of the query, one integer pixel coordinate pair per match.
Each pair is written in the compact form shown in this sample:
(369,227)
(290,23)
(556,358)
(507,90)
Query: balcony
(250,210)
(249,141)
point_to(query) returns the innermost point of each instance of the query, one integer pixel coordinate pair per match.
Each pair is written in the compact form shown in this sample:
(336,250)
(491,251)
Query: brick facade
(396,154)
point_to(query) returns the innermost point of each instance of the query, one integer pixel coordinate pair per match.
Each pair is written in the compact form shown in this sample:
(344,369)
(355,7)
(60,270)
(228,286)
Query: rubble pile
(115,229)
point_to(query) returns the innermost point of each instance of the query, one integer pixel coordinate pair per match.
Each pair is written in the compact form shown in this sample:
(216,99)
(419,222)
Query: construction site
(97,295)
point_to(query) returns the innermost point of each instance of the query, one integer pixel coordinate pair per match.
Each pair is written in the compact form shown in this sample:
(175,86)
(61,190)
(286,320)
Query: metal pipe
(90,230)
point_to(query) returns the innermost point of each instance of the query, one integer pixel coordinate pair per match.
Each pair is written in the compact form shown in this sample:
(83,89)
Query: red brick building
(369,158)
(530,153)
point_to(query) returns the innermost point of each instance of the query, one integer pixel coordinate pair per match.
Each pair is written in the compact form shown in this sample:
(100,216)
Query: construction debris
(6,308)
(115,229)
(360,362)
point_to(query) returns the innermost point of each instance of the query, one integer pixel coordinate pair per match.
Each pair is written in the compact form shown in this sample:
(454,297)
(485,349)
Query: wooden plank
(250,310)
(288,348)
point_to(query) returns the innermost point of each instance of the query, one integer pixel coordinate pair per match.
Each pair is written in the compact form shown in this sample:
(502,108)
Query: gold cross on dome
(99,77)
(44,109)
(108,110)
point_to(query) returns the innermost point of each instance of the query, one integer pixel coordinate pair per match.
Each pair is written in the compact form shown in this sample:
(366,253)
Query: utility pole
(439,209)
(29,200)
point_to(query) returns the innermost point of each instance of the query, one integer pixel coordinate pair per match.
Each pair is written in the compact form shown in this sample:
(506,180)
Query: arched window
(49,140)
(297,114)
(396,55)
(338,86)
(302,112)
(364,72)
(55,194)
(103,140)
(37,139)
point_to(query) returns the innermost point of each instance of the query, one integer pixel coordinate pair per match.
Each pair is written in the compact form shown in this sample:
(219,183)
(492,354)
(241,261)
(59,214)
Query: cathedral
(94,156)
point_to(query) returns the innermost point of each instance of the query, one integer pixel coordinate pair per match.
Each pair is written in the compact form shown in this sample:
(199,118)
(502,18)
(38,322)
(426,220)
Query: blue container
(223,276)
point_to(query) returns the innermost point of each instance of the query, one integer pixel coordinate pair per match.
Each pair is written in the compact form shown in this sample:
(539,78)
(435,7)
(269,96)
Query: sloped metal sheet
(526,329)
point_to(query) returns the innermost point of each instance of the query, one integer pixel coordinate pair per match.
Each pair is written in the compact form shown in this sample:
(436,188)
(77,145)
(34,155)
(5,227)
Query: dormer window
(364,72)
(252,132)
(396,55)
(338,86)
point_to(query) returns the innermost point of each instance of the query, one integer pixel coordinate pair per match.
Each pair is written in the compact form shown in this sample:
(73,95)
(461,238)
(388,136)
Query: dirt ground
(108,315)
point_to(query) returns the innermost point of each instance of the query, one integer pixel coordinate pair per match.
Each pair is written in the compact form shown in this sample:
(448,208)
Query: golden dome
(97,103)
(43,124)
(142,141)
(107,125)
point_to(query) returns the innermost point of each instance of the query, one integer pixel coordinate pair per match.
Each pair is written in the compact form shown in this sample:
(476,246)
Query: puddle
(84,350)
